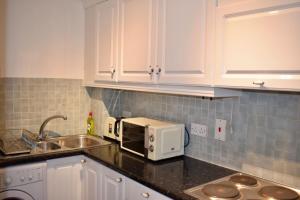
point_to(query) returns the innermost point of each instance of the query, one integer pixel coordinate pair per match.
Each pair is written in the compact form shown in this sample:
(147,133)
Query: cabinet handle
(158,70)
(119,180)
(112,72)
(145,195)
(151,70)
(83,161)
(260,83)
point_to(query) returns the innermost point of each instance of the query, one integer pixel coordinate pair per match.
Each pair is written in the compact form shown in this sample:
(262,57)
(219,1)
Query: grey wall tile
(27,102)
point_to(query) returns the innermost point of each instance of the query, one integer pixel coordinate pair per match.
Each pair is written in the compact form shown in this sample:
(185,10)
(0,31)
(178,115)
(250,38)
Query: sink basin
(80,141)
(48,146)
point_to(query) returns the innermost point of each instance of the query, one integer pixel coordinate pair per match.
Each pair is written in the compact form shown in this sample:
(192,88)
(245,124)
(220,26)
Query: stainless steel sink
(79,141)
(48,146)
(67,143)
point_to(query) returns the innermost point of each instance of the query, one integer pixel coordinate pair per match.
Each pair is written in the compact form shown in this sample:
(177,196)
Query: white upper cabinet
(164,41)
(101,52)
(163,46)
(136,40)
(258,44)
(182,41)
(106,16)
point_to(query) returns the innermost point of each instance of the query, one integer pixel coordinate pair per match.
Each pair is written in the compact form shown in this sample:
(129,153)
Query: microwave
(152,139)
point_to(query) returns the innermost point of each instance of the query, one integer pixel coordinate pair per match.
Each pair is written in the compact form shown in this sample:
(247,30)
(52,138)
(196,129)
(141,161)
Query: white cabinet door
(100,50)
(136,191)
(113,185)
(106,16)
(64,179)
(183,41)
(258,44)
(92,180)
(136,40)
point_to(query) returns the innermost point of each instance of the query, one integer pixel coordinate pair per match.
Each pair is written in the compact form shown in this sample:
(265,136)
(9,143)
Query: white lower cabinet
(113,185)
(64,178)
(92,180)
(136,191)
(81,178)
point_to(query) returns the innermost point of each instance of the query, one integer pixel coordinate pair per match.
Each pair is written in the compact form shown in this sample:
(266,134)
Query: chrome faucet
(42,135)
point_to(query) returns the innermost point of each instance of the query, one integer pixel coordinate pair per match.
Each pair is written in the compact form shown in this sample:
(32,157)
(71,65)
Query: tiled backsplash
(263,128)
(26,103)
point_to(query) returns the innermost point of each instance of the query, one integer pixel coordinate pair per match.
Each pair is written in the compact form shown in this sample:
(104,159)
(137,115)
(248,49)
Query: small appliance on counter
(242,186)
(152,139)
(112,128)
(12,142)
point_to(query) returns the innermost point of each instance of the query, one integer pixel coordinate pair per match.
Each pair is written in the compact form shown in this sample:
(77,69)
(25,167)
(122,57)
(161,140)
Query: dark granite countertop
(169,177)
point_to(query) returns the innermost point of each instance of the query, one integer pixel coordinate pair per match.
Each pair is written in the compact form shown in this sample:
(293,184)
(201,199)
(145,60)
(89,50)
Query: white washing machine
(23,182)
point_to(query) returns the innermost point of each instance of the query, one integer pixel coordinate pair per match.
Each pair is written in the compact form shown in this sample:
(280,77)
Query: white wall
(45,38)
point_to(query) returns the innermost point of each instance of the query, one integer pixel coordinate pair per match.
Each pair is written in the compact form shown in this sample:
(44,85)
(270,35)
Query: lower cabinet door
(80,178)
(92,180)
(113,185)
(64,178)
(136,191)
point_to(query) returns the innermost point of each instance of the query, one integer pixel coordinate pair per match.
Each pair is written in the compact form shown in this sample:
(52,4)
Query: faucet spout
(42,135)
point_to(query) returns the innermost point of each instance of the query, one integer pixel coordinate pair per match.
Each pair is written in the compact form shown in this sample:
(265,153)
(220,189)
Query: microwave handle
(146,139)
(117,122)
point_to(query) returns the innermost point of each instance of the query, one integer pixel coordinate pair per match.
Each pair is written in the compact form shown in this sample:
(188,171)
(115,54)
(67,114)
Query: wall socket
(198,129)
(126,114)
(220,129)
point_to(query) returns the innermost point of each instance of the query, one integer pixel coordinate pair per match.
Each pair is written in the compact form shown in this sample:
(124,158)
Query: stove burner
(244,180)
(221,191)
(278,192)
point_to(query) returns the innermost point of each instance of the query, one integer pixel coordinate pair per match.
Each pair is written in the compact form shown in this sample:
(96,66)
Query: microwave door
(133,138)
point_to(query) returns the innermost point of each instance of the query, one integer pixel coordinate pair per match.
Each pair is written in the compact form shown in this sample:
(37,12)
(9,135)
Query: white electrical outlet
(199,129)
(220,130)
(126,113)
